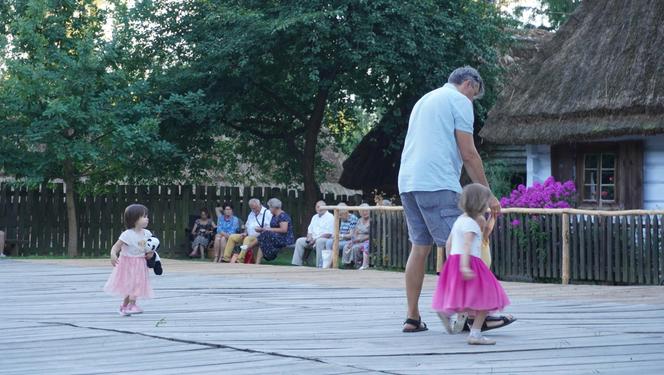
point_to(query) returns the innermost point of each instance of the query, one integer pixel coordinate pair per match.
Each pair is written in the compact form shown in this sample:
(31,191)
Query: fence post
(565,260)
(335,242)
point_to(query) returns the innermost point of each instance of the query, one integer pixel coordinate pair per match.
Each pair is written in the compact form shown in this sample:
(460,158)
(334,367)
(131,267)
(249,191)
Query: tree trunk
(72,223)
(311,188)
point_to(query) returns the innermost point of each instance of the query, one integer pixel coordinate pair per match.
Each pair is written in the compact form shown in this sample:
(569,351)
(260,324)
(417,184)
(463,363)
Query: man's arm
(473,163)
(471,158)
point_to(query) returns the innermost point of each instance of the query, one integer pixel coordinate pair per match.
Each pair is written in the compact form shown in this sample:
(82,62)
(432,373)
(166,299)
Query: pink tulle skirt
(130,277)
(482,293)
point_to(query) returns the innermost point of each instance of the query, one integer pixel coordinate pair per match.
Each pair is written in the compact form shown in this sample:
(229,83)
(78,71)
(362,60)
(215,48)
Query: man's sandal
(419,325)
(503,319)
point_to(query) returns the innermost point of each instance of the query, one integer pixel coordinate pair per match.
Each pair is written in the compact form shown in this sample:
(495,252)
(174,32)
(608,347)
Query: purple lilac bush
(550,194)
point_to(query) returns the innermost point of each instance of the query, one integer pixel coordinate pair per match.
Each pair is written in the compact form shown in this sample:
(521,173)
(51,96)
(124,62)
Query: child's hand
(114,259)
(149,254)
(467,273)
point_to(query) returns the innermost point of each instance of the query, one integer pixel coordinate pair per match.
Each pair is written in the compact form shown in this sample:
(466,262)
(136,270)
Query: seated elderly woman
(277,236)
(347,223)
(357,250)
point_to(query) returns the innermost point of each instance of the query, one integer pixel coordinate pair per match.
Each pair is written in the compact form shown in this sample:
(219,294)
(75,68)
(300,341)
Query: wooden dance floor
(246,319)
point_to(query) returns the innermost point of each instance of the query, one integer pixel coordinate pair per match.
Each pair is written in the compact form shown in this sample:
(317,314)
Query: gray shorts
(430,215)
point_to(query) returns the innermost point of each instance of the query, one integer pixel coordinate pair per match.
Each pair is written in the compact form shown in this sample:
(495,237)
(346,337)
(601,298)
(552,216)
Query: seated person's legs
(218,247)
(320,246)
(298,254)
(2,243)
(233,240)
(259,256)
(249,243)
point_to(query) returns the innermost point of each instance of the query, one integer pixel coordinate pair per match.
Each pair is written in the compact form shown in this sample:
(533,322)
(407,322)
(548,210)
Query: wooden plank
(658,244)
(597,249)
(632,249)
(583,239)
(654,250)
(624,249)
(504,236)
(529,251)
(609,264)
(574,247)
(647,251)
(556,246)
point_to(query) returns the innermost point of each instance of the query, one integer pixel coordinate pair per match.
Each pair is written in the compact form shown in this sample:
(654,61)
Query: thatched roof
(602,75)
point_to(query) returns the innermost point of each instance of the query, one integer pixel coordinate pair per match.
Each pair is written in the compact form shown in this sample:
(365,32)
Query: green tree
(556,11)
(276,73)
(69,110)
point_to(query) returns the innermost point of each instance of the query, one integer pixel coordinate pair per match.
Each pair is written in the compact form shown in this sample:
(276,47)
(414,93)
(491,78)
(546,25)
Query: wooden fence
(562,245)
(35,220)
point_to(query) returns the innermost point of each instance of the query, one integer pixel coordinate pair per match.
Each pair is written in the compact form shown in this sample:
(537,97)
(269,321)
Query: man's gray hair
(460,75)
(254,201)
(274,203)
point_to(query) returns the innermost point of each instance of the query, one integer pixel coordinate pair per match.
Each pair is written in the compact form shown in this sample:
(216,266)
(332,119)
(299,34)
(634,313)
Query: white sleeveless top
(462,225)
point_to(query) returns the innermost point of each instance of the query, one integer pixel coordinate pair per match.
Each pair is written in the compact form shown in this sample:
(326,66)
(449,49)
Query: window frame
(599,149)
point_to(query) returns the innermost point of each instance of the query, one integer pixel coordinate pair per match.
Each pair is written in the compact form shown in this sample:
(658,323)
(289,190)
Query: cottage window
(608,175)
(599,178)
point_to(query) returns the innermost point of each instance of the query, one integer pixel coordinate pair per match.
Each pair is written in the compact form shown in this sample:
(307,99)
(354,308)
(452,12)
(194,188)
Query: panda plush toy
(154,262)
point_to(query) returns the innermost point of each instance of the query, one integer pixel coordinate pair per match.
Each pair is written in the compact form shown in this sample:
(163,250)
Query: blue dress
(271,242)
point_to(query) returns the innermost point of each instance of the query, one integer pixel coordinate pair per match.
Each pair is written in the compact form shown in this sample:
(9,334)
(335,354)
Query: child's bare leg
(126,301)
(475,337)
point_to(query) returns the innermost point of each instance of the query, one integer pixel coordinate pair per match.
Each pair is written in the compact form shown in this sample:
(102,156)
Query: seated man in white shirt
(259,216)
(320,229)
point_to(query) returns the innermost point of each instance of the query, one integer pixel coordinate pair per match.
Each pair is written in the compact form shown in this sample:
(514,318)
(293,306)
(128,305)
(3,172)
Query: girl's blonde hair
(474,199)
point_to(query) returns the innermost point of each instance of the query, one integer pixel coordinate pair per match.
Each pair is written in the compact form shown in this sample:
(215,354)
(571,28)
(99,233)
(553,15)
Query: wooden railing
(615,247)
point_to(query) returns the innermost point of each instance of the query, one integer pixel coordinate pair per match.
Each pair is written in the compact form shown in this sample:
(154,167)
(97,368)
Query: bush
(550,194)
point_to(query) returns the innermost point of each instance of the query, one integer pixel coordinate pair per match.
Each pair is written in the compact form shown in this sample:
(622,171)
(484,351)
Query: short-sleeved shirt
(462,225)
(254,221)
(228,225)
(321,224)
(431,160)
(347,225)
(133,243)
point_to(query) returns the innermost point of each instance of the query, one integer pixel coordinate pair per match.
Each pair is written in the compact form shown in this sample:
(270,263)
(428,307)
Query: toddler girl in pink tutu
(129,278)
(466,285)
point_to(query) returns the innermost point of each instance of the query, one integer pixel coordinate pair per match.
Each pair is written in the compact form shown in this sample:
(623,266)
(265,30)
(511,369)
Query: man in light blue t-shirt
(438,143)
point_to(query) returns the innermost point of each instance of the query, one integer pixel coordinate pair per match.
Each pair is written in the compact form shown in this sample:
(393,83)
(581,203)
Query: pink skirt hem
(482,293)
(130,277)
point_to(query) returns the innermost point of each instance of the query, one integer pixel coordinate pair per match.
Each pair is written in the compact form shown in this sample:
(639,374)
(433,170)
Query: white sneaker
(363,268)
(459,322)
(446,322)
(480,340)
(2,255)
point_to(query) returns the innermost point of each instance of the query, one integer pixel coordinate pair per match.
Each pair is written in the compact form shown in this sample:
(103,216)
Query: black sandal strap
(413,322)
